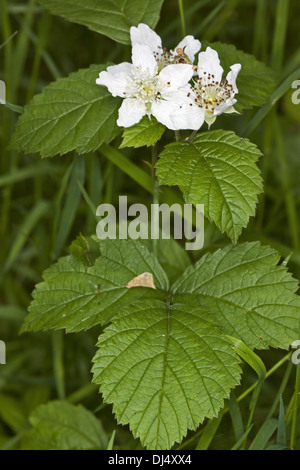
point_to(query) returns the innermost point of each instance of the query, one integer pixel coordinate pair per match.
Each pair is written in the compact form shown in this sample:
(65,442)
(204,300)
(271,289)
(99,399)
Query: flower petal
(184,95)
(124,67)
(225,107)
(232,76)
(162,111)
(209,64)
(175,76)
(188,116)
(143,57)
(190,46)
(131,112)
(145,36)
(116,78)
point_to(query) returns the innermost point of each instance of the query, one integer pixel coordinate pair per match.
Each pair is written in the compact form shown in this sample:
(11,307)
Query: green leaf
(139,370)
(146,133)
(62,426)
(77,294)
(256,81)
(218,169)
(251,296)
(72,113)
(113,18)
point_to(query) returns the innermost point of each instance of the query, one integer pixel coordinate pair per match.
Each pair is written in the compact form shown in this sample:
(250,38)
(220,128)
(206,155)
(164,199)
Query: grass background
(43,207)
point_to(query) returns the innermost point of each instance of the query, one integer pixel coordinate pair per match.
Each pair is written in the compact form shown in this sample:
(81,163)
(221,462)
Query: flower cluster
(167,84)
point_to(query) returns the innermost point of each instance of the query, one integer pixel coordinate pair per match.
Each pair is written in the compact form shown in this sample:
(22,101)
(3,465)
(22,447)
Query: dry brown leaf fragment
(143,280)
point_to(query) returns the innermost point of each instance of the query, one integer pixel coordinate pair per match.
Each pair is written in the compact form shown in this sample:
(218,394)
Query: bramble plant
(174,334)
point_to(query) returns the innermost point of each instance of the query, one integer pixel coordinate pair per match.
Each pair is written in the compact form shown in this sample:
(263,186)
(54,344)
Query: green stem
(177,136)
(183,27)
(190,138)
(155,191)
(58,365)
(281,26)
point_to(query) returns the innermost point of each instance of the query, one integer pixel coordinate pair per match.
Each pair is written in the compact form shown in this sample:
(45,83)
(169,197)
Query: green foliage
(113,18)
(166,358)
(62,426)
(77,294)
(146,133)
(72,113)
(239,291)
(217,169)
(252,298)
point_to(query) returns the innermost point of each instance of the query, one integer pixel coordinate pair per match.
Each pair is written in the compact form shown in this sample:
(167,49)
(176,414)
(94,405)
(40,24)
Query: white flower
(209,96)
(145,89)
(184,53)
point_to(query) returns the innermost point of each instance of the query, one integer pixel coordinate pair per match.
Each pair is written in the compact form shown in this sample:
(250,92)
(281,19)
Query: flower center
(210,93)
(146,88)
(163,58)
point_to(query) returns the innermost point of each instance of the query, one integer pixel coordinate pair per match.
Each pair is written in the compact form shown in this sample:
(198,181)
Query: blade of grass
(110,445)
(24,231)
(281,390)
(129,168)
(210,18)
(73,197)
(264,111)
(87,199)
(291,208)
(21,48)
(281,434)
(9,39)
(29,172)
(264,435)
(258,366)
(241,441)
(209,432)
(260,47)
(221,20)
(236,417)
